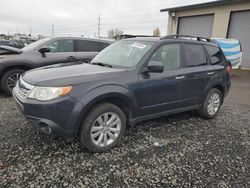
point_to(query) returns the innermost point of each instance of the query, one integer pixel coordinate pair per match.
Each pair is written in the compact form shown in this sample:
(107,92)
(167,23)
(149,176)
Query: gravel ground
(194,153)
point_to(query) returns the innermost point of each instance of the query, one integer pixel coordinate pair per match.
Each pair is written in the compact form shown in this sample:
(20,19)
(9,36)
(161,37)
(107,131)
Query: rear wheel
(212,104)
(103,128)
(10,79)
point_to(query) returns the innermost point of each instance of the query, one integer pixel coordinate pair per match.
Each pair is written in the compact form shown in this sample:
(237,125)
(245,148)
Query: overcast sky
(79,17)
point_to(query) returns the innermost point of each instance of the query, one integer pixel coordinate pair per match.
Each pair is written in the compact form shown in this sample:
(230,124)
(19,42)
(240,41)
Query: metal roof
(200,5)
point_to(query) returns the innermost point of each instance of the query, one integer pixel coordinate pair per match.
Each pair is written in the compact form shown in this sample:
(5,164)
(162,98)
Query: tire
(113,132)
(205,110)
(5,84)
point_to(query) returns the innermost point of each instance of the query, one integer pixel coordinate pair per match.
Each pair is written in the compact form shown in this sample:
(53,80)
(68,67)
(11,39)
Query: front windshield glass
(35,44)
(123,53)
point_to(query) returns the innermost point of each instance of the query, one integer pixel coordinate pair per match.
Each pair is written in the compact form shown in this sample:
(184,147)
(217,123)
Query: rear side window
(88,46)
(215,54)
(194,55)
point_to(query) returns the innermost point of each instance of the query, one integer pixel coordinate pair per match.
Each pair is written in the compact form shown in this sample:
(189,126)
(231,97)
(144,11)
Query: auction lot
(194,152)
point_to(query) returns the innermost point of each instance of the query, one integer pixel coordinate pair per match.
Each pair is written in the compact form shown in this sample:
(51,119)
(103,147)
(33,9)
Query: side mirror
(154,66)
(44,50)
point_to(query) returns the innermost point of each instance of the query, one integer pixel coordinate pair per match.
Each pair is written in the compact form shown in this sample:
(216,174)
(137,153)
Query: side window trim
(75,45)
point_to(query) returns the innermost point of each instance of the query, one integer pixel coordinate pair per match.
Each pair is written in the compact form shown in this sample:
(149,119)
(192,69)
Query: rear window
(215,54)
(194,55)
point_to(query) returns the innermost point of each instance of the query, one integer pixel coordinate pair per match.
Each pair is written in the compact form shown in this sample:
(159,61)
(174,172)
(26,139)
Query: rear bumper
(60,117)
(227,86)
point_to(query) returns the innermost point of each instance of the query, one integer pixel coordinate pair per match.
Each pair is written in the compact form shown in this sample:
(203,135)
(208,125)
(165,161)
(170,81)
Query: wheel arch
(11,67)
(118,99)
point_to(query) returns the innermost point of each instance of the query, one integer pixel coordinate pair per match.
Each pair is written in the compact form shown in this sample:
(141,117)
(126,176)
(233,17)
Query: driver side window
(169,55)
(64,45)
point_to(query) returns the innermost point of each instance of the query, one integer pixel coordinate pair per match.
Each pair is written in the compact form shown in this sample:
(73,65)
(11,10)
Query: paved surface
(240,91)
(194,152)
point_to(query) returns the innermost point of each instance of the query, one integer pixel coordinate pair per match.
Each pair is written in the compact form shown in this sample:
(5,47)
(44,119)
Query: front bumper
(60,117)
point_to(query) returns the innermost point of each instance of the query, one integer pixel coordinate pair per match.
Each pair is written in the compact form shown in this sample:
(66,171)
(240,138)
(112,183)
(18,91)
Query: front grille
(22,89)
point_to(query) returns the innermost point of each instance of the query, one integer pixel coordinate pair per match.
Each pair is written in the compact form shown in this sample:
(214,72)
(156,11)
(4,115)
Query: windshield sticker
(138,45)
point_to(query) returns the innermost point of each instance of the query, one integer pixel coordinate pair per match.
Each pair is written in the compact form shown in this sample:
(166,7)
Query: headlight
(49,93)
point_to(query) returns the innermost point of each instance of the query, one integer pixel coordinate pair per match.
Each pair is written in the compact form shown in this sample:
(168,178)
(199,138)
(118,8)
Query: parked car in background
(130,81)
(12,43)
(46,51)
(232,50)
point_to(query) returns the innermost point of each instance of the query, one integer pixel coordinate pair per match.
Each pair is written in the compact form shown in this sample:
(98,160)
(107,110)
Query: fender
(216,80)
(13,63)
(107,91)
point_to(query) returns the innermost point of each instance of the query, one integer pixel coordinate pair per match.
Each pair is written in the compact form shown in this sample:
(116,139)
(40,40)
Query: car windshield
(124,53)
(35,44)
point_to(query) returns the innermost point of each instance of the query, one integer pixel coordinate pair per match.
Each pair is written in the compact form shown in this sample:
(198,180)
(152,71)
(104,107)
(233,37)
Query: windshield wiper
(102,64)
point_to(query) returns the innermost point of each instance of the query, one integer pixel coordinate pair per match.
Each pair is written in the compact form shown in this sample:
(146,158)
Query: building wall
(221,17)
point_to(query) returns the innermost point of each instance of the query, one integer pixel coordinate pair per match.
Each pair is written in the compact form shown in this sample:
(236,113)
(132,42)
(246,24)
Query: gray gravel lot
(195,153)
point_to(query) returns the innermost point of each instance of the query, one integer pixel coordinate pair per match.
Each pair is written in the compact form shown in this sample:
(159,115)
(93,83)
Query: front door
(61,51)
(161,92)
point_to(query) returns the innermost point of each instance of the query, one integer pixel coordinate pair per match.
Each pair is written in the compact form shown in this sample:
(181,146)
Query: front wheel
(10,79)
(103,128)
(212,104)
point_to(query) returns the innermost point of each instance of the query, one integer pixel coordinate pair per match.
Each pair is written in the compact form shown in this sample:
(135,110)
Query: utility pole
(30,31)
(52,29)
(99,26)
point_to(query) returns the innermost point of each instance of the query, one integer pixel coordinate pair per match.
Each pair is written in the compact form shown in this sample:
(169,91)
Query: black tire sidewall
(5,78)
(204,112)
(85,132)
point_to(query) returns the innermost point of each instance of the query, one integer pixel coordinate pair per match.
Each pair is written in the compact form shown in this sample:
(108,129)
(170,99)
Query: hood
(69,75)
(6,50)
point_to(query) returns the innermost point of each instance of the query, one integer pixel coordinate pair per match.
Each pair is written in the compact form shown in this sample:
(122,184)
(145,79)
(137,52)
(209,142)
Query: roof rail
(186,37)
(125,36)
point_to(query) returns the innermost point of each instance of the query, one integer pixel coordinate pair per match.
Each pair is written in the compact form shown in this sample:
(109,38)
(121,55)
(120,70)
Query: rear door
(61,51)
(195,73)
(86,50)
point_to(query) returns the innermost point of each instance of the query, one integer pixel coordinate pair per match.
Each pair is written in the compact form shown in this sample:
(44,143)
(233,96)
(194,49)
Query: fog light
(45,128)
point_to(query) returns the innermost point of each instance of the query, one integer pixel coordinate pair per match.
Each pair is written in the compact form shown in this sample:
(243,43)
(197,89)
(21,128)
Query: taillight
(229,68)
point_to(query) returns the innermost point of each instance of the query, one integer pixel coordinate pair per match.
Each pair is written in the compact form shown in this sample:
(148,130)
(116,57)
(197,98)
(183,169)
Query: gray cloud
(79,17)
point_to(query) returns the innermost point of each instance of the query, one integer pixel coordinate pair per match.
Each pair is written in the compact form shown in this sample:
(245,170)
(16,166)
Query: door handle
(210,73)
(71,58)
(179,77)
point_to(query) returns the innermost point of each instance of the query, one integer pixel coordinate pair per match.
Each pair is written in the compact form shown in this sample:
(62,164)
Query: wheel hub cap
(12,80)
(213,104)
(105,129)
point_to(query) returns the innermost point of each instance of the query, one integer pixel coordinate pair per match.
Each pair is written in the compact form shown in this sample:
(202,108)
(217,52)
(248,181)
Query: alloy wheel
(105,129)
(213,104)
(12,80)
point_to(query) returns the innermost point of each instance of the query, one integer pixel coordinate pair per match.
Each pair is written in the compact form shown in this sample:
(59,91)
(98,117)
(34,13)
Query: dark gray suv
(47,51)
(130,81)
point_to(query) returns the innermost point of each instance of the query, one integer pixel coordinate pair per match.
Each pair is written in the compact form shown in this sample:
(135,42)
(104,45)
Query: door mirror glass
(154,66)
(44,49)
